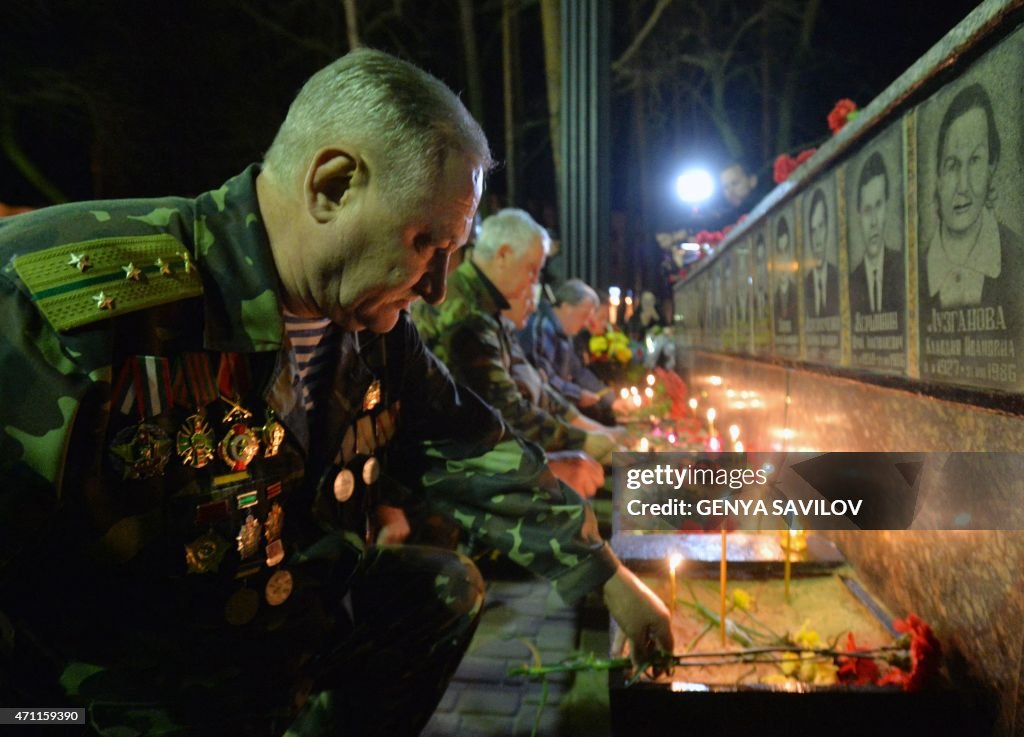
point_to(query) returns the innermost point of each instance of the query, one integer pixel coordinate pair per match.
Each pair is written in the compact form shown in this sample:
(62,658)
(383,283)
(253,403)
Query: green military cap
(77,284)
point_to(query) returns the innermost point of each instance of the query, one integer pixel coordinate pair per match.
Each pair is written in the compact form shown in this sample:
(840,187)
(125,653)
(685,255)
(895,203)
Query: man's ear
(328,180)
(504,253)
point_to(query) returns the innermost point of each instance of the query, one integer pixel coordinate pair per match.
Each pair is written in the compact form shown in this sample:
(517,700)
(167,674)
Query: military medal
(241,608)
(344,485)
(143,386)
(240,443)
(194,384)
(140,451)
(195,441)
(279,588)
(248,537)
(274,524)
(275,553)
(371,471)
(272,434)
(372,397)
(205,553)
(238,447)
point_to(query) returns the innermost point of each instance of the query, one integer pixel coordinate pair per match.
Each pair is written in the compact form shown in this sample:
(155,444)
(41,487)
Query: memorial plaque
(971,263)
(821,272)
(785,273)
(875,237)
(762,299)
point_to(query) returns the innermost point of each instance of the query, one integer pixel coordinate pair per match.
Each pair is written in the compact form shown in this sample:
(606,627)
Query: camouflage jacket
(466,333)
(106,306)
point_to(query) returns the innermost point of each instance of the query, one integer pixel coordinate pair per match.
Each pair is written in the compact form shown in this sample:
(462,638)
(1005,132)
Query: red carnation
(925,652)
(784,166)
(856,671)
(844,111)
(804,155)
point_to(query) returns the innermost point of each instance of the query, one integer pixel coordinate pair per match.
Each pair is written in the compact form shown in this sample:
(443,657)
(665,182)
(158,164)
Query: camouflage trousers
(373,662)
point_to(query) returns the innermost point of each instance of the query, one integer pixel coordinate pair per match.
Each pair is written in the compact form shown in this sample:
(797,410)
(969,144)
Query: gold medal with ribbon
(240,443)
(143,386)
(194,384)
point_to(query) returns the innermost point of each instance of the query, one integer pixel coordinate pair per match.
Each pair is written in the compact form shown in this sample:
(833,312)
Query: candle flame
(650,379)
(624,393)
(738,446)
(693,404)
(674,560)
(649,392)
(634,391)
(712,414)
(637,401)
(644,445)
(734,432)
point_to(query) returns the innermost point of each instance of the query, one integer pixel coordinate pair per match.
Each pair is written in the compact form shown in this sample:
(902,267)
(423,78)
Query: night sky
(138,99)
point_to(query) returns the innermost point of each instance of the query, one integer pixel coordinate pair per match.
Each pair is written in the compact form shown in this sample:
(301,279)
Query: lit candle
(634,391)
(787,568)
(637,401)
(650,379)
(693,406)
(672,438)
(722,576)
(624,393)
(711,420)
(738,446)
(649,393)
(644,445)
(673,562)
(734,432)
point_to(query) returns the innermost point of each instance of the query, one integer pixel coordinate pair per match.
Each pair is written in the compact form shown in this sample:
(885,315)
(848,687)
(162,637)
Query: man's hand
(393,525)
(622,406)
(575,468)
(642,617)
(588,398)
(599,446)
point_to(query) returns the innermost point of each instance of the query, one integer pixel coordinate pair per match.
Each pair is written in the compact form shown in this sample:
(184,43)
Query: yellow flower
(826,674)
(805,637)
(623,354)
(598,344)
(808,668)
(790,662)
(742,600)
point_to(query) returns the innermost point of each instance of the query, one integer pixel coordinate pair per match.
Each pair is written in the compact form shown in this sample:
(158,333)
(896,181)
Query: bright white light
(694,186)
(614,293)
(691,246)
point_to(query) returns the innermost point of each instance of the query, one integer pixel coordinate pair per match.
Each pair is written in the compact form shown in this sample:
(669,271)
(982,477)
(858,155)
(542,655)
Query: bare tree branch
(642,34)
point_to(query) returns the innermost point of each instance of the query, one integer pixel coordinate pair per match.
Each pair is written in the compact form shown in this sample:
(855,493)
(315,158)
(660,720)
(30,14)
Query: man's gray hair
(575,291)
(379,103)
(512,226)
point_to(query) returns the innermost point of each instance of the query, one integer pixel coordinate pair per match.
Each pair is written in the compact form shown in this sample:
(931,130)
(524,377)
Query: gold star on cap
(80,261)
(164,266)
(103,302)
(189,266)
(132,272)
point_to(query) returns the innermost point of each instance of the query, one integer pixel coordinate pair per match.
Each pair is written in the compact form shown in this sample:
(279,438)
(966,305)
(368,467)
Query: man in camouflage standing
(199,399)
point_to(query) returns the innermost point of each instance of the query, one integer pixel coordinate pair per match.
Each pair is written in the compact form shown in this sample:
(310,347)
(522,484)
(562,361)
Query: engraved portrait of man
(785,268)
(821,284)
(876,284)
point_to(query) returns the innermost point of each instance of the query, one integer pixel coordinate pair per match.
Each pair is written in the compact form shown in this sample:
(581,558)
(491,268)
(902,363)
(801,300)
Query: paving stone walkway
(483,701)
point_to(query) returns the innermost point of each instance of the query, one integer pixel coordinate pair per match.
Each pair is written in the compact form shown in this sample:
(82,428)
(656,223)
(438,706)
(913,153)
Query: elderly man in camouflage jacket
(199,398)
(467,334)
